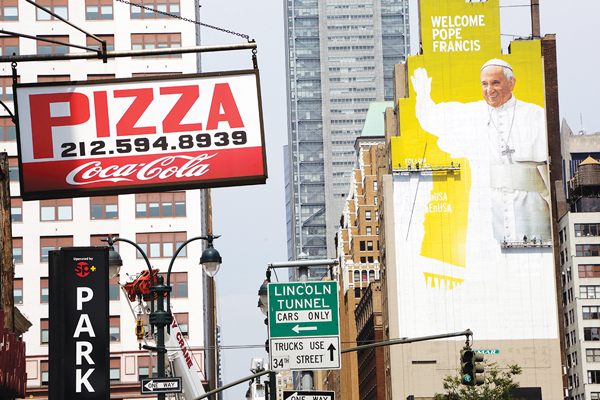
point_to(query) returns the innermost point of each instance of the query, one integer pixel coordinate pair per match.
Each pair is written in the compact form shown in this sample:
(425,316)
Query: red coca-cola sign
(129,135)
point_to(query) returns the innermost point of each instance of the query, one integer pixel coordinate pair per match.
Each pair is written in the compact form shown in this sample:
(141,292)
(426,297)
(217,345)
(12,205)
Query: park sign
(117,136)
(304,327)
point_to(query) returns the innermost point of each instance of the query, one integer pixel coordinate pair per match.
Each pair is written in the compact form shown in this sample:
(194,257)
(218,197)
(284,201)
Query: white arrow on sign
(299,328)
(161,385)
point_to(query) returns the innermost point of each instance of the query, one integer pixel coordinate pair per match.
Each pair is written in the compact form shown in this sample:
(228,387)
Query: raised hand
(421,83)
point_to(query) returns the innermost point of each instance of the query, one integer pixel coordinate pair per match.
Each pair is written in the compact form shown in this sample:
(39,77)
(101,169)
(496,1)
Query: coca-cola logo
(160,168)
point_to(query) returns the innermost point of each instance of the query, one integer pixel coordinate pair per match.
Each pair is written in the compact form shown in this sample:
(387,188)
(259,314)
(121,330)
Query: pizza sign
(130,135)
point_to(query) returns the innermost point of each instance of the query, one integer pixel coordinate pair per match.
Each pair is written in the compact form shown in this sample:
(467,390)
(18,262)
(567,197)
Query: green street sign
(303,309)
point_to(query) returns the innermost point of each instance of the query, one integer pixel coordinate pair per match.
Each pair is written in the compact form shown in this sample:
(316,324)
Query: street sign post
(307,395)
(304,326)
(161,385)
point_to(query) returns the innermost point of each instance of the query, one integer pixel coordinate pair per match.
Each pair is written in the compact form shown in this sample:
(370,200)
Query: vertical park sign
(79,320)
(304,326)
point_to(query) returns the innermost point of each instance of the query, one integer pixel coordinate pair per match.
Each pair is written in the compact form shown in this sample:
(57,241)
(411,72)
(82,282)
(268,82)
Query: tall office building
(579,250)
(341,56)
(158,222)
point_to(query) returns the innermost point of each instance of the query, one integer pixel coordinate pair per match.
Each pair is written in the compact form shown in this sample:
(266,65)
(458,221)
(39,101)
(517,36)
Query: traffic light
(471,368)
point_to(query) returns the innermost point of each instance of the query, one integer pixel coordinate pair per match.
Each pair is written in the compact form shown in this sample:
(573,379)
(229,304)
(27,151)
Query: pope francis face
(497,89)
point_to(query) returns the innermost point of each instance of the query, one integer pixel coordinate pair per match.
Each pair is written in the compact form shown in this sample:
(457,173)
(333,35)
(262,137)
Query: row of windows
(94,9)
(179,288)
(139,41)
(587,230)
(587,250)
(155,245)
(147,205)
(355,100)
(348,48)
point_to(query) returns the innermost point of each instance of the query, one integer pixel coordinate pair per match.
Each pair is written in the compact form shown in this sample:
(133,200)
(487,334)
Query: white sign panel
(305,353)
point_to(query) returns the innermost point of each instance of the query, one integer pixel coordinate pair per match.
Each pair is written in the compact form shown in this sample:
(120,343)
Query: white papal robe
(507,152)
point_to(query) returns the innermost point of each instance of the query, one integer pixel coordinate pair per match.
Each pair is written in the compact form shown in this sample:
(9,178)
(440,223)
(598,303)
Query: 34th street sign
(304,326)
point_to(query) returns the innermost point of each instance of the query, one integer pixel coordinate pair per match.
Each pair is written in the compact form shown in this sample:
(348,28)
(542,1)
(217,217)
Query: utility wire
(186,19)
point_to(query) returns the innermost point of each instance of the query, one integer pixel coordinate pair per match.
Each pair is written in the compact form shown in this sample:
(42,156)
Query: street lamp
(161,318)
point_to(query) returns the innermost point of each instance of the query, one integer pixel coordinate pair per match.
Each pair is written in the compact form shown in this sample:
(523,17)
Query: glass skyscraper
(340,57)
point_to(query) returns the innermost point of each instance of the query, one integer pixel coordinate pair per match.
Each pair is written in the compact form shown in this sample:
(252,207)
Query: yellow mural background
(455,77)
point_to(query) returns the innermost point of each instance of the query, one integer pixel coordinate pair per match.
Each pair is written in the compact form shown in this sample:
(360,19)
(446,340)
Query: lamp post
(161,318)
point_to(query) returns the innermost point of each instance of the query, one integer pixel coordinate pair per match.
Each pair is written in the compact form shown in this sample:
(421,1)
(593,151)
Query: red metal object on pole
(13,377)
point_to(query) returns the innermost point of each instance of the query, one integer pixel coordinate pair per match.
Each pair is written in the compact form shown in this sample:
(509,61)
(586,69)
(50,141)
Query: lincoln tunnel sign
(304,326)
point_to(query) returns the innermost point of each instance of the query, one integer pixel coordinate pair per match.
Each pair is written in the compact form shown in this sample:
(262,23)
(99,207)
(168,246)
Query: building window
(367,215)
(590,312)
(375,185)
(147,41)
(593,376)
(363,260)
(357,293)
(98,9)
(44,290)
(8,131)
(9,11)
(53,48)
(166,6)
(56,210)
(50,243)
(589,271)
(115,369)
(114,289)
(114,329)
(370,245)
(369,230)
(371,275)
(58,7)
(94,44)
(161,245)
(13,169)
(145,367)
(53,78)
(592,355)
(16,209)
(6,94)
(45,330)
(356,276)
(586,230)
(104,207)
(179,284)
(18,290)
(182,321)
(17,250)
(595,396)
(587,250)
(156,205)
(589,292)
(364,276)
(591,334)
(362,246)
(44,372)
(96,240)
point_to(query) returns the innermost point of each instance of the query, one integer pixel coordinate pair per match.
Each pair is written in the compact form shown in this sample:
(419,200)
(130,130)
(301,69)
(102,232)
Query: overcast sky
(251,219)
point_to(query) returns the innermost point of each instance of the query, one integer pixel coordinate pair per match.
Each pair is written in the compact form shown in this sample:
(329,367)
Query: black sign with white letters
(79,324)
(307,395)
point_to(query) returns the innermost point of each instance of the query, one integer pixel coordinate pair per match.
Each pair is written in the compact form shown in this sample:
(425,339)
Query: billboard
(471,194)
(138,135)
(79,324)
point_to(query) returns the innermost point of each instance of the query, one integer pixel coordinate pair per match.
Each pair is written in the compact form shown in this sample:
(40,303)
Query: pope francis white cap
(496,62)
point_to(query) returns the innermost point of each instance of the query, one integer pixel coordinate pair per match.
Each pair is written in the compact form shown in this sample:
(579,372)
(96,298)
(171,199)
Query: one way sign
(161,385)
(307,395)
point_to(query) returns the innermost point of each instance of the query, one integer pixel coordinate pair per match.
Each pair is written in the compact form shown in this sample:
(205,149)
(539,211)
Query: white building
(156,221)
(579,241)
